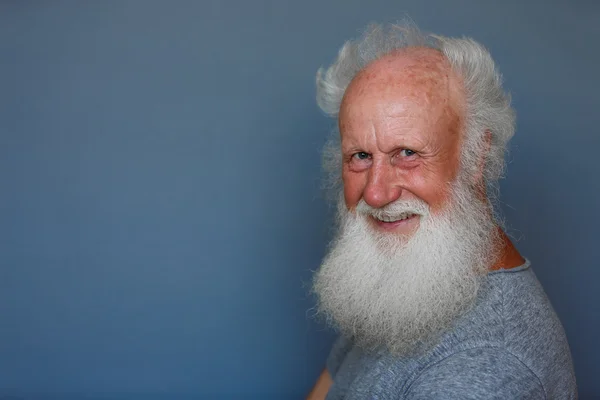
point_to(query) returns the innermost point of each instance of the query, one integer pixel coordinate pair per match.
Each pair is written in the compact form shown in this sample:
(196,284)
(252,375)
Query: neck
(509,255)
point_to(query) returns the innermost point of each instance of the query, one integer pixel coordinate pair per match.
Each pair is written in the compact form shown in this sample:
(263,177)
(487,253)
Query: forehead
(413,90)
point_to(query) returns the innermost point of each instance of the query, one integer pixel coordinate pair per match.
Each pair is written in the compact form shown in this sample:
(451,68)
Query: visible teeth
(387,218)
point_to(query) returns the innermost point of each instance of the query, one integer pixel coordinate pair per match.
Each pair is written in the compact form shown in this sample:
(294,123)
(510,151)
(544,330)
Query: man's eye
(407,153)
(361,155)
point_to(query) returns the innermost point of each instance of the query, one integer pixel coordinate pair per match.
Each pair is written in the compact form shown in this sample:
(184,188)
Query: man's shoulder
(512,312)
(458,372)
(479,372)
(520,319)
(510,342)
(512,330)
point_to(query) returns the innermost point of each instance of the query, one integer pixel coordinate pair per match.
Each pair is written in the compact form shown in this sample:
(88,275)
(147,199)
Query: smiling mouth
(401,224)
(395,218)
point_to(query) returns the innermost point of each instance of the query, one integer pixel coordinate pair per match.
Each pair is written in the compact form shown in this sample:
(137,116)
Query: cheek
(434,190)
(432,182)
(353,188)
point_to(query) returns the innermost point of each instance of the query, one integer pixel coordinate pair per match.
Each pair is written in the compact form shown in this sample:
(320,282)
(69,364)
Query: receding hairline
(419,67)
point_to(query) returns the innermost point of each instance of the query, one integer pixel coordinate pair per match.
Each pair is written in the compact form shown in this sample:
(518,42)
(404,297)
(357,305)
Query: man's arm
(319,391)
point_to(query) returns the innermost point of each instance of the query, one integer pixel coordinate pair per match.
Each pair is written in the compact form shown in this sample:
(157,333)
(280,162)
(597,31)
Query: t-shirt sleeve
(482,373)
(339,350)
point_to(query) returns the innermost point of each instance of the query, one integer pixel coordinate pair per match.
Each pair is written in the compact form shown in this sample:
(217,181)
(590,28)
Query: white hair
(402,293)
(487,104)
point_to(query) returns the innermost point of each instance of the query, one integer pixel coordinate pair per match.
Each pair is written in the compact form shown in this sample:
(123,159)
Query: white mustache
(395,210)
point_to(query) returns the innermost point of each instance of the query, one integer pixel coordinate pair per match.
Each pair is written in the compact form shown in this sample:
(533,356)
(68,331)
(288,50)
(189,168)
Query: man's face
(414,239)
(400,137)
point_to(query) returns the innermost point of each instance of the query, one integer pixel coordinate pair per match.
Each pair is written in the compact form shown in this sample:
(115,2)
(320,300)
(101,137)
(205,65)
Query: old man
(429,295)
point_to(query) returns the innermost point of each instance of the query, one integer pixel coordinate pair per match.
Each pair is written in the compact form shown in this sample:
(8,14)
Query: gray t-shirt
(511,345)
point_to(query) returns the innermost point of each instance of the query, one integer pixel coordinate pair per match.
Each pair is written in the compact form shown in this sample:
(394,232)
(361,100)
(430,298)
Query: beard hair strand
(403,293)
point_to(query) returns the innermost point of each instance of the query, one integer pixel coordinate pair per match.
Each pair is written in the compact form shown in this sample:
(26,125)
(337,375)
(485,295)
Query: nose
(381,188)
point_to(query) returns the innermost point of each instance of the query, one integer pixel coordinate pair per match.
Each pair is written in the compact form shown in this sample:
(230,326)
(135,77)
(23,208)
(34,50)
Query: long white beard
(402,293)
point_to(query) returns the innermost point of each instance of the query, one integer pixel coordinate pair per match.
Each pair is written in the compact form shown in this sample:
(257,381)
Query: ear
(478,179)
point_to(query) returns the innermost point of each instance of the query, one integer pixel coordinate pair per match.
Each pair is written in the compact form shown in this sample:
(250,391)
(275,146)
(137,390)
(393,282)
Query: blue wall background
(159,164)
